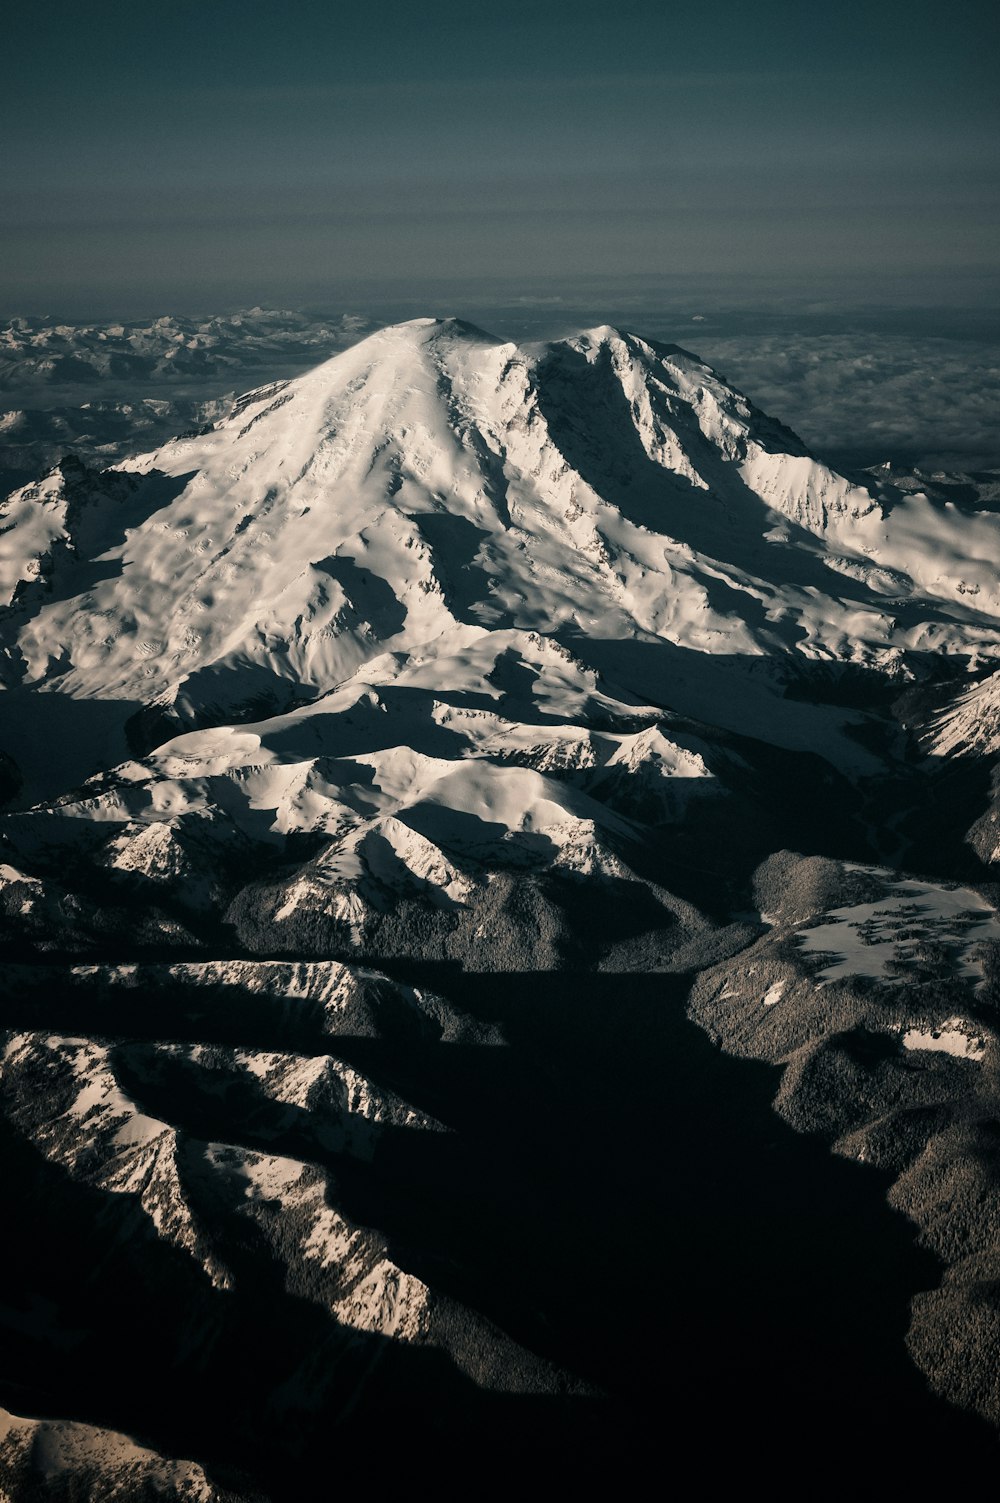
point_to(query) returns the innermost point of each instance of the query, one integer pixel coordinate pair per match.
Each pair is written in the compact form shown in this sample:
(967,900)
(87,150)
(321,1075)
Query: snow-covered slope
(968,723)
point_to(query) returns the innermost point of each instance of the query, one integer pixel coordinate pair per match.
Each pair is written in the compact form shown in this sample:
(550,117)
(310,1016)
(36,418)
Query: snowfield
(882,938)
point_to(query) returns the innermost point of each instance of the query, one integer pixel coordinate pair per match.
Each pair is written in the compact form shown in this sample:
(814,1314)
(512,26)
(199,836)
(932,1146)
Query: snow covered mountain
(431,489)
(454,654)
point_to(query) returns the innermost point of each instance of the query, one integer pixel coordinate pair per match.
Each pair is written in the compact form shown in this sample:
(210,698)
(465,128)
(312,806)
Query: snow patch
(914,924)
(954,1036)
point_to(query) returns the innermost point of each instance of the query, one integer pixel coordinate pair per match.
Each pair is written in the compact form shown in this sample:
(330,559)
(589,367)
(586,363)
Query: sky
(193,156)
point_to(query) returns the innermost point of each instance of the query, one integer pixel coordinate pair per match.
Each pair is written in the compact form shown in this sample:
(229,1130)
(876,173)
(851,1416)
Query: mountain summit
(432,488)
(344,729)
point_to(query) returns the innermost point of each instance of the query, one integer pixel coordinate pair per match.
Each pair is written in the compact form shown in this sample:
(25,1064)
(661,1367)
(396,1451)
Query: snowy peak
(432,486)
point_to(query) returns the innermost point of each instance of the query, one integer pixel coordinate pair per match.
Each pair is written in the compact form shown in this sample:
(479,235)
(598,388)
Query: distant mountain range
(445,676)
(39,353)
(102,391)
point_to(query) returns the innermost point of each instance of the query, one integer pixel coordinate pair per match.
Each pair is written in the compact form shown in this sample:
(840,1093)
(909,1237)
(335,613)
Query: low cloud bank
(859,399)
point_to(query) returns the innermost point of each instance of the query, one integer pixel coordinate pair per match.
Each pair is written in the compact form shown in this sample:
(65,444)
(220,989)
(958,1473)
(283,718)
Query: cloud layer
(865,398)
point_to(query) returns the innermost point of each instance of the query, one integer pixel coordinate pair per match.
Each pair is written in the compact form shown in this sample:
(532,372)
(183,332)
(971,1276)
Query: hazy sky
(203,153)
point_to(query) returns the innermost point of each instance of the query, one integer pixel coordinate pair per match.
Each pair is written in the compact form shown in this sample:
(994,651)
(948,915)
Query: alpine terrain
(444,803)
